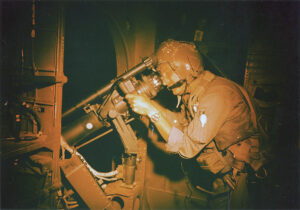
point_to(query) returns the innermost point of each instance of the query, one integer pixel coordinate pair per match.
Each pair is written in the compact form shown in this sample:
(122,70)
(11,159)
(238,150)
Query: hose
(108,176)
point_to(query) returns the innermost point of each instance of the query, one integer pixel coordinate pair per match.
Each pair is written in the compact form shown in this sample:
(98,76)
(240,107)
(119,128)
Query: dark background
(231,28)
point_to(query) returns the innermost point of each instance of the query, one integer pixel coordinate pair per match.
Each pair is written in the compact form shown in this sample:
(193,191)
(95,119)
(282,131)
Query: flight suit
(217,127)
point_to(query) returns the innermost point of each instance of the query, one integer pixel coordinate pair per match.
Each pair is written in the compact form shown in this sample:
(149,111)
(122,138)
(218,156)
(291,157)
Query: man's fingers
(129,96)
(130,99)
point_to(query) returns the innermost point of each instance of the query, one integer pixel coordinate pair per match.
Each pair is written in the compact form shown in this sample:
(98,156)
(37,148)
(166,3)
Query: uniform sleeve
(210,113)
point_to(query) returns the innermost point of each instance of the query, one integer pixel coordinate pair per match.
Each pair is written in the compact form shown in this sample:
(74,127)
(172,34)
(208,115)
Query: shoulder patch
(203,119)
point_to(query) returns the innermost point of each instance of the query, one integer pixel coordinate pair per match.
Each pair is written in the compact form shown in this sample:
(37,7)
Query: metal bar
(136,69)
(129,139)
(95,138)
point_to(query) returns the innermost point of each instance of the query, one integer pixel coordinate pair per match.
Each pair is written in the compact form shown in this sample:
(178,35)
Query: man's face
(171,79)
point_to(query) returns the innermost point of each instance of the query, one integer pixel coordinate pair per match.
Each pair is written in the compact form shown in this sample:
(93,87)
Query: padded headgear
(182,57)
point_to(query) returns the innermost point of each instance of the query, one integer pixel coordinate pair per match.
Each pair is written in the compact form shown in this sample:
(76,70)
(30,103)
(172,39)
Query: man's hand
(140,104)
(144,106)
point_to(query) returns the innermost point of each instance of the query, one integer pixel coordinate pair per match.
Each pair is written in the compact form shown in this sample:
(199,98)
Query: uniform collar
(205,75)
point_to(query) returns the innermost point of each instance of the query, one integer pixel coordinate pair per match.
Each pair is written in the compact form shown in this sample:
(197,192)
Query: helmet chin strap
(179,97)
(178,101)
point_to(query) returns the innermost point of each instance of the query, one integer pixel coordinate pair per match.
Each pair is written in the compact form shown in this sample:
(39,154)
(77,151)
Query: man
(217,122)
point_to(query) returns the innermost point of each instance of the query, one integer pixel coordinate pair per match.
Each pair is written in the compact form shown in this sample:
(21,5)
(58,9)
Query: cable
(187,183)
(107,176)
(100,175)
(228,199)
